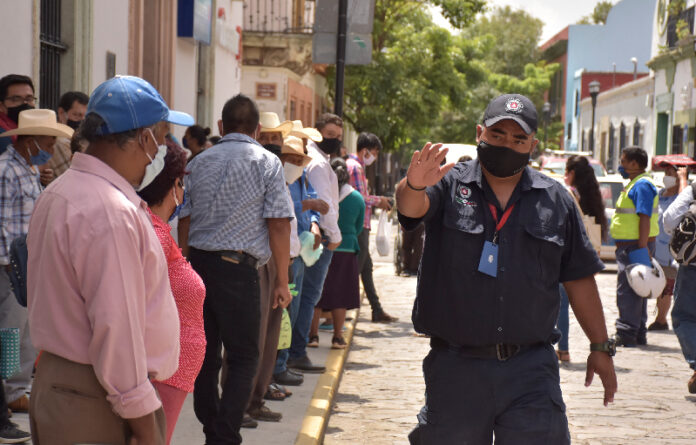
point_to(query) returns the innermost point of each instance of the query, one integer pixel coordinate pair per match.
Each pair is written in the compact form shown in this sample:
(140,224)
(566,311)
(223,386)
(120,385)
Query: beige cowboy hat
(39,122)
(292,145)
(305,133)
(269,122)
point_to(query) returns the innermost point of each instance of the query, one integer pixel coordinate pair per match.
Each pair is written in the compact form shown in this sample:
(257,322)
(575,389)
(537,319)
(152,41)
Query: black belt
(238,257)
(500,351)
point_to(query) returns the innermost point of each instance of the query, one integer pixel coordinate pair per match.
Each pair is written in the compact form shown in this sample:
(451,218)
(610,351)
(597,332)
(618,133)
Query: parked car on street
(557,166)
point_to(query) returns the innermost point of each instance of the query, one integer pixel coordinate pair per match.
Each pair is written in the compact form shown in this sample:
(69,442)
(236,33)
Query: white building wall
(109,34)
(278,76)
(16,54)
(228,71)
(185,81)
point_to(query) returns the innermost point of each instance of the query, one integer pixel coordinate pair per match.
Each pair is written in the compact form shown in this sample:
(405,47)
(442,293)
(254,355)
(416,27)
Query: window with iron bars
(279,16)
(51,50)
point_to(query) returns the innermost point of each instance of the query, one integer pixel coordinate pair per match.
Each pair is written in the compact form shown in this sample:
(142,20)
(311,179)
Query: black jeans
(365,268)
(4,414)
(231,314)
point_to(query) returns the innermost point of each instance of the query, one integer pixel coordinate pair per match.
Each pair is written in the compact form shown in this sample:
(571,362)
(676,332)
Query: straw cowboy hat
(305,133)
(292,145)
(39,122)
(269,122)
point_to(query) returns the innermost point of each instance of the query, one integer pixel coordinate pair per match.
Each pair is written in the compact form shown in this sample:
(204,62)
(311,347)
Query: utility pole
(341,55)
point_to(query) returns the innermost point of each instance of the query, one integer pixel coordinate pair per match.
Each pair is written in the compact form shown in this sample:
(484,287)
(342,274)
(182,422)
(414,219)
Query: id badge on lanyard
(488,263)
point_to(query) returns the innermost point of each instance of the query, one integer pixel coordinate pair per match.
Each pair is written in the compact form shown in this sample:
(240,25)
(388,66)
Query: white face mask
(155,166)
(669,181)
(369,159)
(292,172)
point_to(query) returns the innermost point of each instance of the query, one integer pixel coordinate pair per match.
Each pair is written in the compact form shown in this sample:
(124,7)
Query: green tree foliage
(599,14)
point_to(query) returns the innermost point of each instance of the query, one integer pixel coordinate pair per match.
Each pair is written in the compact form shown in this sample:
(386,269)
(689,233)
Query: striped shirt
(19,189)
(356,169)
(234,186)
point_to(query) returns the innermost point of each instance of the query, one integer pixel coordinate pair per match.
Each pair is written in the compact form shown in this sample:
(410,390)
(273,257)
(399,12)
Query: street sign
(360,16)
(358,48)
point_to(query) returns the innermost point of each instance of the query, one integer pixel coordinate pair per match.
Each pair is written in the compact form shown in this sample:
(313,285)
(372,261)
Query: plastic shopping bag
(383,231)
(9,352)
(307,252)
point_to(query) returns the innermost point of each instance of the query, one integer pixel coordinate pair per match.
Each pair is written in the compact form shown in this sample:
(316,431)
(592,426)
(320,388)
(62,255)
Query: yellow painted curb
(317,415)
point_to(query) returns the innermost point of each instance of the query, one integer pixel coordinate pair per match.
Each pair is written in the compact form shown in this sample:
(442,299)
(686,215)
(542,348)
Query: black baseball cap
(515,107)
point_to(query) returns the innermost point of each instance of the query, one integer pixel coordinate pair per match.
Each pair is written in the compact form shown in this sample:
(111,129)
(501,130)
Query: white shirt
(294,237)
(674,213)
(325,183)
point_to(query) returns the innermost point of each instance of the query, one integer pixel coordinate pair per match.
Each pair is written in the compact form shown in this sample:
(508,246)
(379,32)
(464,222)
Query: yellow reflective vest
(624,223)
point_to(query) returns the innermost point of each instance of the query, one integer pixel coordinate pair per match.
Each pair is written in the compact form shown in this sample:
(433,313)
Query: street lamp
(634,61)
(546,109)
(594,91)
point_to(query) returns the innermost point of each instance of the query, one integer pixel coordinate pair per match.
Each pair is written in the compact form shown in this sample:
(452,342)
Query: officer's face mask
(501,161)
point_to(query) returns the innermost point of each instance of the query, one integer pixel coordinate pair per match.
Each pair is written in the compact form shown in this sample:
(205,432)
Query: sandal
(274,393)
(281,388)
(313,341)
(338,343)
(563,356)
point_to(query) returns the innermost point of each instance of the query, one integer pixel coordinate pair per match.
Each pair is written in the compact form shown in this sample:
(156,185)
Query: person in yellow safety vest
(634,227)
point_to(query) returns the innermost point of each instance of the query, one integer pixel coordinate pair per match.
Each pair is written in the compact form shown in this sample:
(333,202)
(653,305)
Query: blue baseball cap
(128,102)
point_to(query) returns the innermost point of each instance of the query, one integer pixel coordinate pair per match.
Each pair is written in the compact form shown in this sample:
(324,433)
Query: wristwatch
(608,346)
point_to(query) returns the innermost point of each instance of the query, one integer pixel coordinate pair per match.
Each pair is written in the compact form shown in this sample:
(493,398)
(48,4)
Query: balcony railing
(279,16)
(688,16)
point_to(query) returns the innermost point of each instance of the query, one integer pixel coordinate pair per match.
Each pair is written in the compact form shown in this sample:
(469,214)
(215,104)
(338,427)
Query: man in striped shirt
(369,146)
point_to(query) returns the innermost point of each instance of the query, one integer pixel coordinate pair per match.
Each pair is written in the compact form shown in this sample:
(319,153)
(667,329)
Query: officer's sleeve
(643,196)
(579,258)
(435,194)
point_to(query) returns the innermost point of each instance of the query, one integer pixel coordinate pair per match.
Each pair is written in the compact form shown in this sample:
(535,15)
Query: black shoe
(382,317)
(642,340)
(249,422)
(622,340)
(10,433)
(657,326)
(288,378)
(305,364)
(265,414)
(295,372)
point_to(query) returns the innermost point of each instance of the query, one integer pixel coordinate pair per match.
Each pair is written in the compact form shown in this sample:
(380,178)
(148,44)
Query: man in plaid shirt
(369,146)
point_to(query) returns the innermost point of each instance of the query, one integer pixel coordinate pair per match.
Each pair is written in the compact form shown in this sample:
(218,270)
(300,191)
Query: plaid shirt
(356,169)
(19,189)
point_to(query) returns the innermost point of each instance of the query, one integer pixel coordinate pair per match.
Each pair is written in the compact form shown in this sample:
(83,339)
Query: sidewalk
(382,387)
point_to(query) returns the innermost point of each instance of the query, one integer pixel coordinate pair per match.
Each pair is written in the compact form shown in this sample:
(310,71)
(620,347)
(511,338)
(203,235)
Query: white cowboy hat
(39,122)
(305,133)
(293,145)
(269,122)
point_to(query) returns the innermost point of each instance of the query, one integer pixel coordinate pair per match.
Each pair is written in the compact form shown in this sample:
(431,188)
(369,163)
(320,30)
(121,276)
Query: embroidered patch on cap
(514,106)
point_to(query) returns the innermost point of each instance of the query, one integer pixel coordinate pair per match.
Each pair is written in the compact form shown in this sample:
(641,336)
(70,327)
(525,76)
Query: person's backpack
(683,243)
(18,268)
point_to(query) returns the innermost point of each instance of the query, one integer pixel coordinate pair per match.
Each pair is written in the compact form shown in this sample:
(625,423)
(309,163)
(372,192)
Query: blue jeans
(563,320)
(312,285)
(633,310)
(684,312)
(296,277)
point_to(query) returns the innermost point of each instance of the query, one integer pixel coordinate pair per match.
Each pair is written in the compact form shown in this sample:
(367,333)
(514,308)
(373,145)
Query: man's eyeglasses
(31,100)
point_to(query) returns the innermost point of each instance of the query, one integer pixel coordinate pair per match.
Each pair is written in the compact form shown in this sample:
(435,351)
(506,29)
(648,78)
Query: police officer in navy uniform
(500,237)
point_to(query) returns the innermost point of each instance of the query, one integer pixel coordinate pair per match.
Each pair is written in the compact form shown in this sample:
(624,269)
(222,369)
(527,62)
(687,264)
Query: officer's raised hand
(425,170)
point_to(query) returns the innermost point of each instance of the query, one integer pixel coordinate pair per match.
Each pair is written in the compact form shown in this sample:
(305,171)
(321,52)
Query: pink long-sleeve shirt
(98,289)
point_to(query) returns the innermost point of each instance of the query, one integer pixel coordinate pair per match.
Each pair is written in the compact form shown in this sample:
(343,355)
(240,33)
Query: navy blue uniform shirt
(543,243)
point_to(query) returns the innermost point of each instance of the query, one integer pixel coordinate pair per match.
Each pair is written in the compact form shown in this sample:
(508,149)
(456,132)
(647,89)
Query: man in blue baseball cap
(98,290)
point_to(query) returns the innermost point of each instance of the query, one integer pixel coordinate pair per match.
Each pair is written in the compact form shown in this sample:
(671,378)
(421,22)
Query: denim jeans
(563,320)
(312,285)
(296,277)
(231,315)
(684,312)
(365,268)
(633,310)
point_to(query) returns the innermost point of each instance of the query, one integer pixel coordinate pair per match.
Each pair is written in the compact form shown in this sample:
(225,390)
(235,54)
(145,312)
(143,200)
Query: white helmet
(646,281)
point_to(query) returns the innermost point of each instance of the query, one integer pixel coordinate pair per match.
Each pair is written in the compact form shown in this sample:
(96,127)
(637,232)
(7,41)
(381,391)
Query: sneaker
(622,340)
(338,343)
(264,414)
(248,422)
(657,326)
(326,327)
(313,341)
(11,433)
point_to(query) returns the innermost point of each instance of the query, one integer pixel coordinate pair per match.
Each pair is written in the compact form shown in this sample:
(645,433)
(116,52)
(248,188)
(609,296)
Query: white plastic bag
(307,252)
(383,231)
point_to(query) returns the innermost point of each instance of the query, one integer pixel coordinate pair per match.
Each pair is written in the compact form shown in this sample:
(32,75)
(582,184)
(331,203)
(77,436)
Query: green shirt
(351,218)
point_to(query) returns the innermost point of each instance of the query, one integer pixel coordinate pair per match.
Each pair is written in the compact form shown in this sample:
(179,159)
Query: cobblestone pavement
(382,386)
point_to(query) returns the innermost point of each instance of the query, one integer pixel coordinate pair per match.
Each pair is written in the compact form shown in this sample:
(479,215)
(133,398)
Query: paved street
(382,386)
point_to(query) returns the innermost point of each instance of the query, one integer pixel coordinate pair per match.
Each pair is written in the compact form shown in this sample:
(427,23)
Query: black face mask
(73,124)
(501,162)
(273,148)
(13,112)
(330,146)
